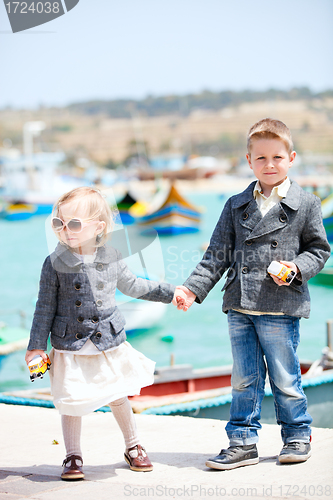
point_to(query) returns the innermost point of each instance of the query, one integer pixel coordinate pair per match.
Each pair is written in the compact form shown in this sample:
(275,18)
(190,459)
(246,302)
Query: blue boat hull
(38,209)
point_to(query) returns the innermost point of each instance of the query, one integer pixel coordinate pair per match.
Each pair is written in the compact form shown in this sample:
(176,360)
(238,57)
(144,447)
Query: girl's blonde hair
(95,205)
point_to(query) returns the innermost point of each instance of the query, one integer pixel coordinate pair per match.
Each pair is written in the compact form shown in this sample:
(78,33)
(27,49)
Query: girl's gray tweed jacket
(76,301)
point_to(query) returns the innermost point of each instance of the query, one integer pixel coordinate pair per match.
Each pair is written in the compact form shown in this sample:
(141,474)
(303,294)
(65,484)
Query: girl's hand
(35,352)
(189,298)
(292,266)
(179,298)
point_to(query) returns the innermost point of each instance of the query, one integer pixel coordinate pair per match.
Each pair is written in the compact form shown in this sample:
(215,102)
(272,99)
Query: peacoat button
(274,244)
(98,335)
(94,319)
(248,243)
(283,218)
(100,286)
(99,303)
(79,336)
(245,270)
(99,267)
(80,319)
(245,215)
(77,286)
(78,303)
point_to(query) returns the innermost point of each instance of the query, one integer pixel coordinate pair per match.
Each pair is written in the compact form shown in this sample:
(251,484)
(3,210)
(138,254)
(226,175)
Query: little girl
(92,364)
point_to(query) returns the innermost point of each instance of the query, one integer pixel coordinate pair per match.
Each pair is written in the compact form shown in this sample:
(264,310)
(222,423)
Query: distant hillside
(209,123)
(184,105)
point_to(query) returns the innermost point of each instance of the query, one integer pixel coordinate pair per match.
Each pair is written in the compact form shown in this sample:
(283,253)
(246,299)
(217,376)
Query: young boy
(273,219)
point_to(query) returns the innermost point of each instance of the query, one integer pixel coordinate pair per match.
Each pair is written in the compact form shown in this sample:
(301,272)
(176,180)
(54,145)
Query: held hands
(292,266)
(183,298)
(35,352)
(179,297)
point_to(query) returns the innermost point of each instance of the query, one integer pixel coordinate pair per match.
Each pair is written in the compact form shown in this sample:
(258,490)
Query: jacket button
(80,319)
(99,267)
(245,215)
(77,286)
(78,303)
(100,286)
(98,335)
(245,270)
(274,244)
(94,319)
(248,243)
(79,336)
(283,218)
(99,303)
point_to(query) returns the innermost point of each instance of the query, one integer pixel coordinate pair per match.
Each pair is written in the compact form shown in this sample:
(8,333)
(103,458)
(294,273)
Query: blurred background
(151,101)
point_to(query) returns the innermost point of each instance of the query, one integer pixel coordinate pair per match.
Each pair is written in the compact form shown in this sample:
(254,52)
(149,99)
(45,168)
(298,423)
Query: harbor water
(198,337)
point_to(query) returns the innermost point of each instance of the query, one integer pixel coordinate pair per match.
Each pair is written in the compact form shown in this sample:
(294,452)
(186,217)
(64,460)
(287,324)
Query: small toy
(38,367)
(281,271)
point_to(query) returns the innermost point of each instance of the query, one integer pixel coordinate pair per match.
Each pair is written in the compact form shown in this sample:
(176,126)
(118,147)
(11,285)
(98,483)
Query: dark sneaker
(295,452)
(234,456)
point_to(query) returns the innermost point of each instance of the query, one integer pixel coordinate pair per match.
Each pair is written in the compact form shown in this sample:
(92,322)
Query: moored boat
(17,211)
(169,213)
(123,207)
(325,276)
(139,314)
(327,211)
(204,393)
(207,393)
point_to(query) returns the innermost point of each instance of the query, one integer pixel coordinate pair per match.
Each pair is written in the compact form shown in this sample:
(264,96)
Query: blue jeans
(274,338)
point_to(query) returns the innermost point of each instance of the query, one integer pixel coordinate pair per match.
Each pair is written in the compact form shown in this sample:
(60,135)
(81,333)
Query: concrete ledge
(30,464)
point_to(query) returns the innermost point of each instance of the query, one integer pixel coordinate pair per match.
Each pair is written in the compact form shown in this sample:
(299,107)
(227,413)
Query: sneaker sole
(216,465)
(138,469)
(293,459)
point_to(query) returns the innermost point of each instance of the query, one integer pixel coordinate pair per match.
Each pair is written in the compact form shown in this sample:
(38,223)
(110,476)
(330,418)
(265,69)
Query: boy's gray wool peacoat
(76,301)
(245,242)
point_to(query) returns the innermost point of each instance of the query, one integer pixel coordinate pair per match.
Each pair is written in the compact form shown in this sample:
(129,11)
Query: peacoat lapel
(276,219)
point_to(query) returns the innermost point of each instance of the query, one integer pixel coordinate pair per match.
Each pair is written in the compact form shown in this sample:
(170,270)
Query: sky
(109,49)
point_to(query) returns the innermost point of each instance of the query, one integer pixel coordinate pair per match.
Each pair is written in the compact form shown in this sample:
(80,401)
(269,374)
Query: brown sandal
(137,459)
(71,470)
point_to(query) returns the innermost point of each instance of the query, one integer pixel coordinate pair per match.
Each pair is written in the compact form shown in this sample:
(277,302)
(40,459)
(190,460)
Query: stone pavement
(30,464)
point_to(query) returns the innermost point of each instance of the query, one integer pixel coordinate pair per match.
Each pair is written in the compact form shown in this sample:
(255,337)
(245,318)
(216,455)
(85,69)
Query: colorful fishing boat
(327,210)
(123,207)
(17,211)
(325,276)
(206,393)
(168,213)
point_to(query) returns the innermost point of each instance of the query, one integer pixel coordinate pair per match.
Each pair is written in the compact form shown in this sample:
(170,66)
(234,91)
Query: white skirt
(81,384)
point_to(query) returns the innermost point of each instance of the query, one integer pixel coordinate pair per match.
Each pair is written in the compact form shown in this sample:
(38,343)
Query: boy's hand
(35,352)
(189,298)
(292,266)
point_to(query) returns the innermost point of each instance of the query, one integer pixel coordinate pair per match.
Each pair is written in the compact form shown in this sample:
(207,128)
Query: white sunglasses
(73,225)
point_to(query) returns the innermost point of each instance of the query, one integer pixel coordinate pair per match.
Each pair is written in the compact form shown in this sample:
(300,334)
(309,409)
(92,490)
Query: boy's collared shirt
(277,193)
